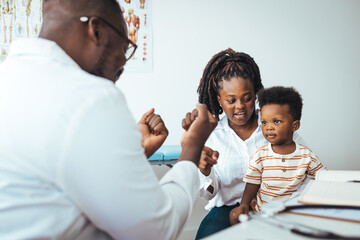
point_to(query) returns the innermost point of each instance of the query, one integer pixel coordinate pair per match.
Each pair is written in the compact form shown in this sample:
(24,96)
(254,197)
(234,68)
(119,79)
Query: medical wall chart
(138,17)
(18,19)
(23,19)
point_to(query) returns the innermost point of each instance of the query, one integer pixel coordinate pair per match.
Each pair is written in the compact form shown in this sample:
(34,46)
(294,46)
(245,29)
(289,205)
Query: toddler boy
(277,169)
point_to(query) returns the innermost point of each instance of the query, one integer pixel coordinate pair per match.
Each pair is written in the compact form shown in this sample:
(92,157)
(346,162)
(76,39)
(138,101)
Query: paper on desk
(331,193)
(338,175)
(352,215)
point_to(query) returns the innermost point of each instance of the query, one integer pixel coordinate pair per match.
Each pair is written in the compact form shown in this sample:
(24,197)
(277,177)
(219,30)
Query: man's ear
(218,98)
(295,125)
(95,32)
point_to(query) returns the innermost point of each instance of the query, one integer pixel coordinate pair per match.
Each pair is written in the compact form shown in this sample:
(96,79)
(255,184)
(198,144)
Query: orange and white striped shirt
(280,175)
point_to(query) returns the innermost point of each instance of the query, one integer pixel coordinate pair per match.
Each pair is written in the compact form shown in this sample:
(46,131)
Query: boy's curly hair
(282,95)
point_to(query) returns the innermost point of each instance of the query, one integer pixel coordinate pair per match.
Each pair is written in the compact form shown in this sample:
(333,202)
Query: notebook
(313,194)
(333,187)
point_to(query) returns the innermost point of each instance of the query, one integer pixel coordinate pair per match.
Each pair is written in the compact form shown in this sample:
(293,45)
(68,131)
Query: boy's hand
(153,131)
(235,213)
(208,159)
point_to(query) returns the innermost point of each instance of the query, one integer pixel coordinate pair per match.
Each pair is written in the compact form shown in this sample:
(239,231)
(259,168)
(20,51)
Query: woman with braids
(230,83)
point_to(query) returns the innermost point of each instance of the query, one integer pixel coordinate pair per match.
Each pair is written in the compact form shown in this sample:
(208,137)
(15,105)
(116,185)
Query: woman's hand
(208,159)
(235,213)
(153,131)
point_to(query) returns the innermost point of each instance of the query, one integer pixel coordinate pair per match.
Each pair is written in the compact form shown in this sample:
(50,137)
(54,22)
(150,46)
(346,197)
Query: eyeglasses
(132,46)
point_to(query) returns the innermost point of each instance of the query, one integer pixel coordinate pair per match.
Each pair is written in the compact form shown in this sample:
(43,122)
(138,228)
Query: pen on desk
(355,181)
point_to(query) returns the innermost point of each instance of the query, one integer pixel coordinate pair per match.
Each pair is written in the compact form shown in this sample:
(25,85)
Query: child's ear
(295,125)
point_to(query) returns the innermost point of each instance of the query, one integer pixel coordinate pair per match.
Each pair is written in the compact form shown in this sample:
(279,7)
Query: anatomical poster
(137,14)
(23,19)
(18,19)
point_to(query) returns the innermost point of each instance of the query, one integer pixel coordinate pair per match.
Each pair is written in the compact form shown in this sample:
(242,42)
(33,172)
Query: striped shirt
(227,175)
(280,175)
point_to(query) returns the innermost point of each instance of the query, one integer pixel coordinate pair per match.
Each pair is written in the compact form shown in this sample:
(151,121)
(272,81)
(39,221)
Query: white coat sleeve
(104,171)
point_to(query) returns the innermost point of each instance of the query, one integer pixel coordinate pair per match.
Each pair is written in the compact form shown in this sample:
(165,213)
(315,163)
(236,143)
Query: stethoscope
(268,215)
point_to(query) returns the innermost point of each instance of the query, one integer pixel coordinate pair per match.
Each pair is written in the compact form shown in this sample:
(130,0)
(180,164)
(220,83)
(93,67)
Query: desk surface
(255,229)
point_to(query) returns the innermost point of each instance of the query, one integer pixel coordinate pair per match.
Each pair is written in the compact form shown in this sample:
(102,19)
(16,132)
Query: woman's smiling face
(237,98)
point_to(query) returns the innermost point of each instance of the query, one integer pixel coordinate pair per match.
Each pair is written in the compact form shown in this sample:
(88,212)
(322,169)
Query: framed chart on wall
(23,19)
(138,18)
(18,19)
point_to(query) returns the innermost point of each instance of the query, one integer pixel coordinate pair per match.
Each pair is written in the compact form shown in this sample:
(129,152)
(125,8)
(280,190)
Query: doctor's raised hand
(153,131)
(198,126)
(208,156)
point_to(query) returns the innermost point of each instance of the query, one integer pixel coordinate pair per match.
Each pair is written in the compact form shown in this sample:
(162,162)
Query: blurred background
(312,45)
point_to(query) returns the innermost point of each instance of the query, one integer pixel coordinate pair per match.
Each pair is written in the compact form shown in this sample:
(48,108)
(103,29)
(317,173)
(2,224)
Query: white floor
(191,226)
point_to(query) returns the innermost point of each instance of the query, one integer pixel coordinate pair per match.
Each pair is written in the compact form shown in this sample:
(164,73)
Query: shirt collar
(41,47)
(224,123)
(297,148)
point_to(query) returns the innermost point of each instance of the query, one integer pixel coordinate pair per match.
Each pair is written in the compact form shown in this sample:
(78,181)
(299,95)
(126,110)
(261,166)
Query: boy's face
(277,124)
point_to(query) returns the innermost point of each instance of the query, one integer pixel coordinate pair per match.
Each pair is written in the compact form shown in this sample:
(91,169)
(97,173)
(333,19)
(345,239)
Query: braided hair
(222,67)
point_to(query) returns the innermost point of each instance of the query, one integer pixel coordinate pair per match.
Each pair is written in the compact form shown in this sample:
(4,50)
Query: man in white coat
(73,163)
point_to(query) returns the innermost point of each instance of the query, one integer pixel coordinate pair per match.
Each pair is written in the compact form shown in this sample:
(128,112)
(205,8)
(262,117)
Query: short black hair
(83,7)
(282,95)
(222,67)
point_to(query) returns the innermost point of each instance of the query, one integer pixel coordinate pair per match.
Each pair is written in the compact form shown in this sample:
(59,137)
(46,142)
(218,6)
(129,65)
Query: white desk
(255,229)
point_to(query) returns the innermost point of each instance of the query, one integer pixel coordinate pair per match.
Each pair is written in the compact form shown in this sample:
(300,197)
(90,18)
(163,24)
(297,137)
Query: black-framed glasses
(132,46)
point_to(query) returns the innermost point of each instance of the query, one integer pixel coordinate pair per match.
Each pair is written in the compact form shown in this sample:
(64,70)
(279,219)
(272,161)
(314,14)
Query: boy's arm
(249,194)
(253,181)
(314,166)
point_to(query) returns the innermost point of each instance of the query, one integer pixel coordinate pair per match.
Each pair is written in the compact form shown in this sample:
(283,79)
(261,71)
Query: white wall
(313,45)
